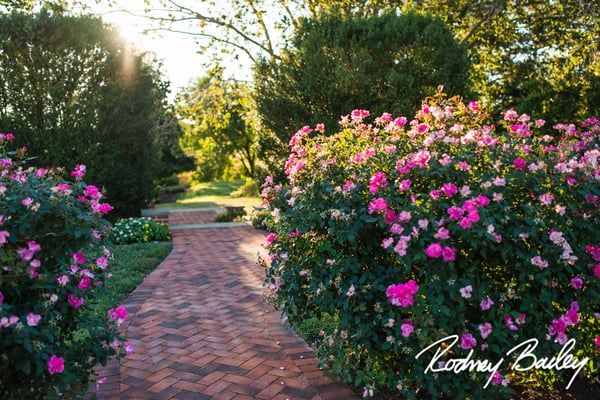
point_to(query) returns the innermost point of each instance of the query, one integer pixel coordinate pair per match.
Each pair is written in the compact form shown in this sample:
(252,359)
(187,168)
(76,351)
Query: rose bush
(53,259)
(410,231)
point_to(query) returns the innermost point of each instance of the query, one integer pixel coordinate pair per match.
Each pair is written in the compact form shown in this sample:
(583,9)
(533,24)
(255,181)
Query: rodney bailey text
(525,359)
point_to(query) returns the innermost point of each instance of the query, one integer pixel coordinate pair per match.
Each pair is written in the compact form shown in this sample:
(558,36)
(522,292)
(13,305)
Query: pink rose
(76,302)
(56,365)
(404,185)
(401,294)
(85,283)
(407,329)
(485,330)
(448,253)
(118,314)
(79,258)
(497,379)
(379,204)
(519,163)
(33,319)
(434,250)
(576,283)
(270,238)
(455,213)
(467,341)
(486,304)
(449,189)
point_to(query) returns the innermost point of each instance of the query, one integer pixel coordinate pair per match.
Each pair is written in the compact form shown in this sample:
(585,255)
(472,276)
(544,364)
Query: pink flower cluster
(118,314)
(512,325)
(446,187)
(56,365)
(377,205)
(436,250)
(378,180)
(401,294)
(27,254)
(559,326)
(78,171)
(468,213)
(92,195)
(44,210)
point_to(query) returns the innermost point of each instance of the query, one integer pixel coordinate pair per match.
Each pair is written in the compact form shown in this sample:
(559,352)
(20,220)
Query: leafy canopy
(220,124)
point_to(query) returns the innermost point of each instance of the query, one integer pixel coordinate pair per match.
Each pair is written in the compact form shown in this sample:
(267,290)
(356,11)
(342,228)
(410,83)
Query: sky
(178,52)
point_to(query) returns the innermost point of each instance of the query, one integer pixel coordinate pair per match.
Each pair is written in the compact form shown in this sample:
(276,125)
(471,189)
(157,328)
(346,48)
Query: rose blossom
(519,163)
(401,294)
(56,365)
(448,253)
(407,329)
(467,341)
(486,304)
(434,250)
(33,319)
(465,292)
(485,330)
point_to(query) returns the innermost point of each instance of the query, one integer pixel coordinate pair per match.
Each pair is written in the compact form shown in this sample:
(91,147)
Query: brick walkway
(201,328)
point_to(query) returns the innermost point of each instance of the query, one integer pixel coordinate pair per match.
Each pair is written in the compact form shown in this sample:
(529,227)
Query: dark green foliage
(230,214)
(172,158)
(74,93)
(335,65)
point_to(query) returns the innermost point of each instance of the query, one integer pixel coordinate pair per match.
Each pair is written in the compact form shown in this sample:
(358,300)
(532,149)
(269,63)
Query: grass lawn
(212,194)
(129,268)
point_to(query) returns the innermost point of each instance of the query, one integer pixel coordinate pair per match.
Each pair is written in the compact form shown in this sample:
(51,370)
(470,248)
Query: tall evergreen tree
(73,91)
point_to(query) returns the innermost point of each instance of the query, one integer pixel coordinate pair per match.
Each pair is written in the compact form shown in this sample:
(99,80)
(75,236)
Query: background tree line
(538,55)
(313,61)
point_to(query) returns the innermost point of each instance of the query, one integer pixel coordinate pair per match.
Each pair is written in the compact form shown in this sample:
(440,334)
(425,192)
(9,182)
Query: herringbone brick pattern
(202,330)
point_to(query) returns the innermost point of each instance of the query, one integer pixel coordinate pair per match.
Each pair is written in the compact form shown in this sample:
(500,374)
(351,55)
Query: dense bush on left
(53,261)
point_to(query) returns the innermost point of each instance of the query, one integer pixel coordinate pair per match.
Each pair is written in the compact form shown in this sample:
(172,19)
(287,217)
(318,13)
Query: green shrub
(172,180)
(230,214)
(54,262)
(173,189)
(442,228)
(139,230)
(249,189)
(261,218)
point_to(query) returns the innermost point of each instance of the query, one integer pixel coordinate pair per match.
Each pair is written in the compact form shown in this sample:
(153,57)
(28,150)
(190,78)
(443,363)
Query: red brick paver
(201,328)
(185,217)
